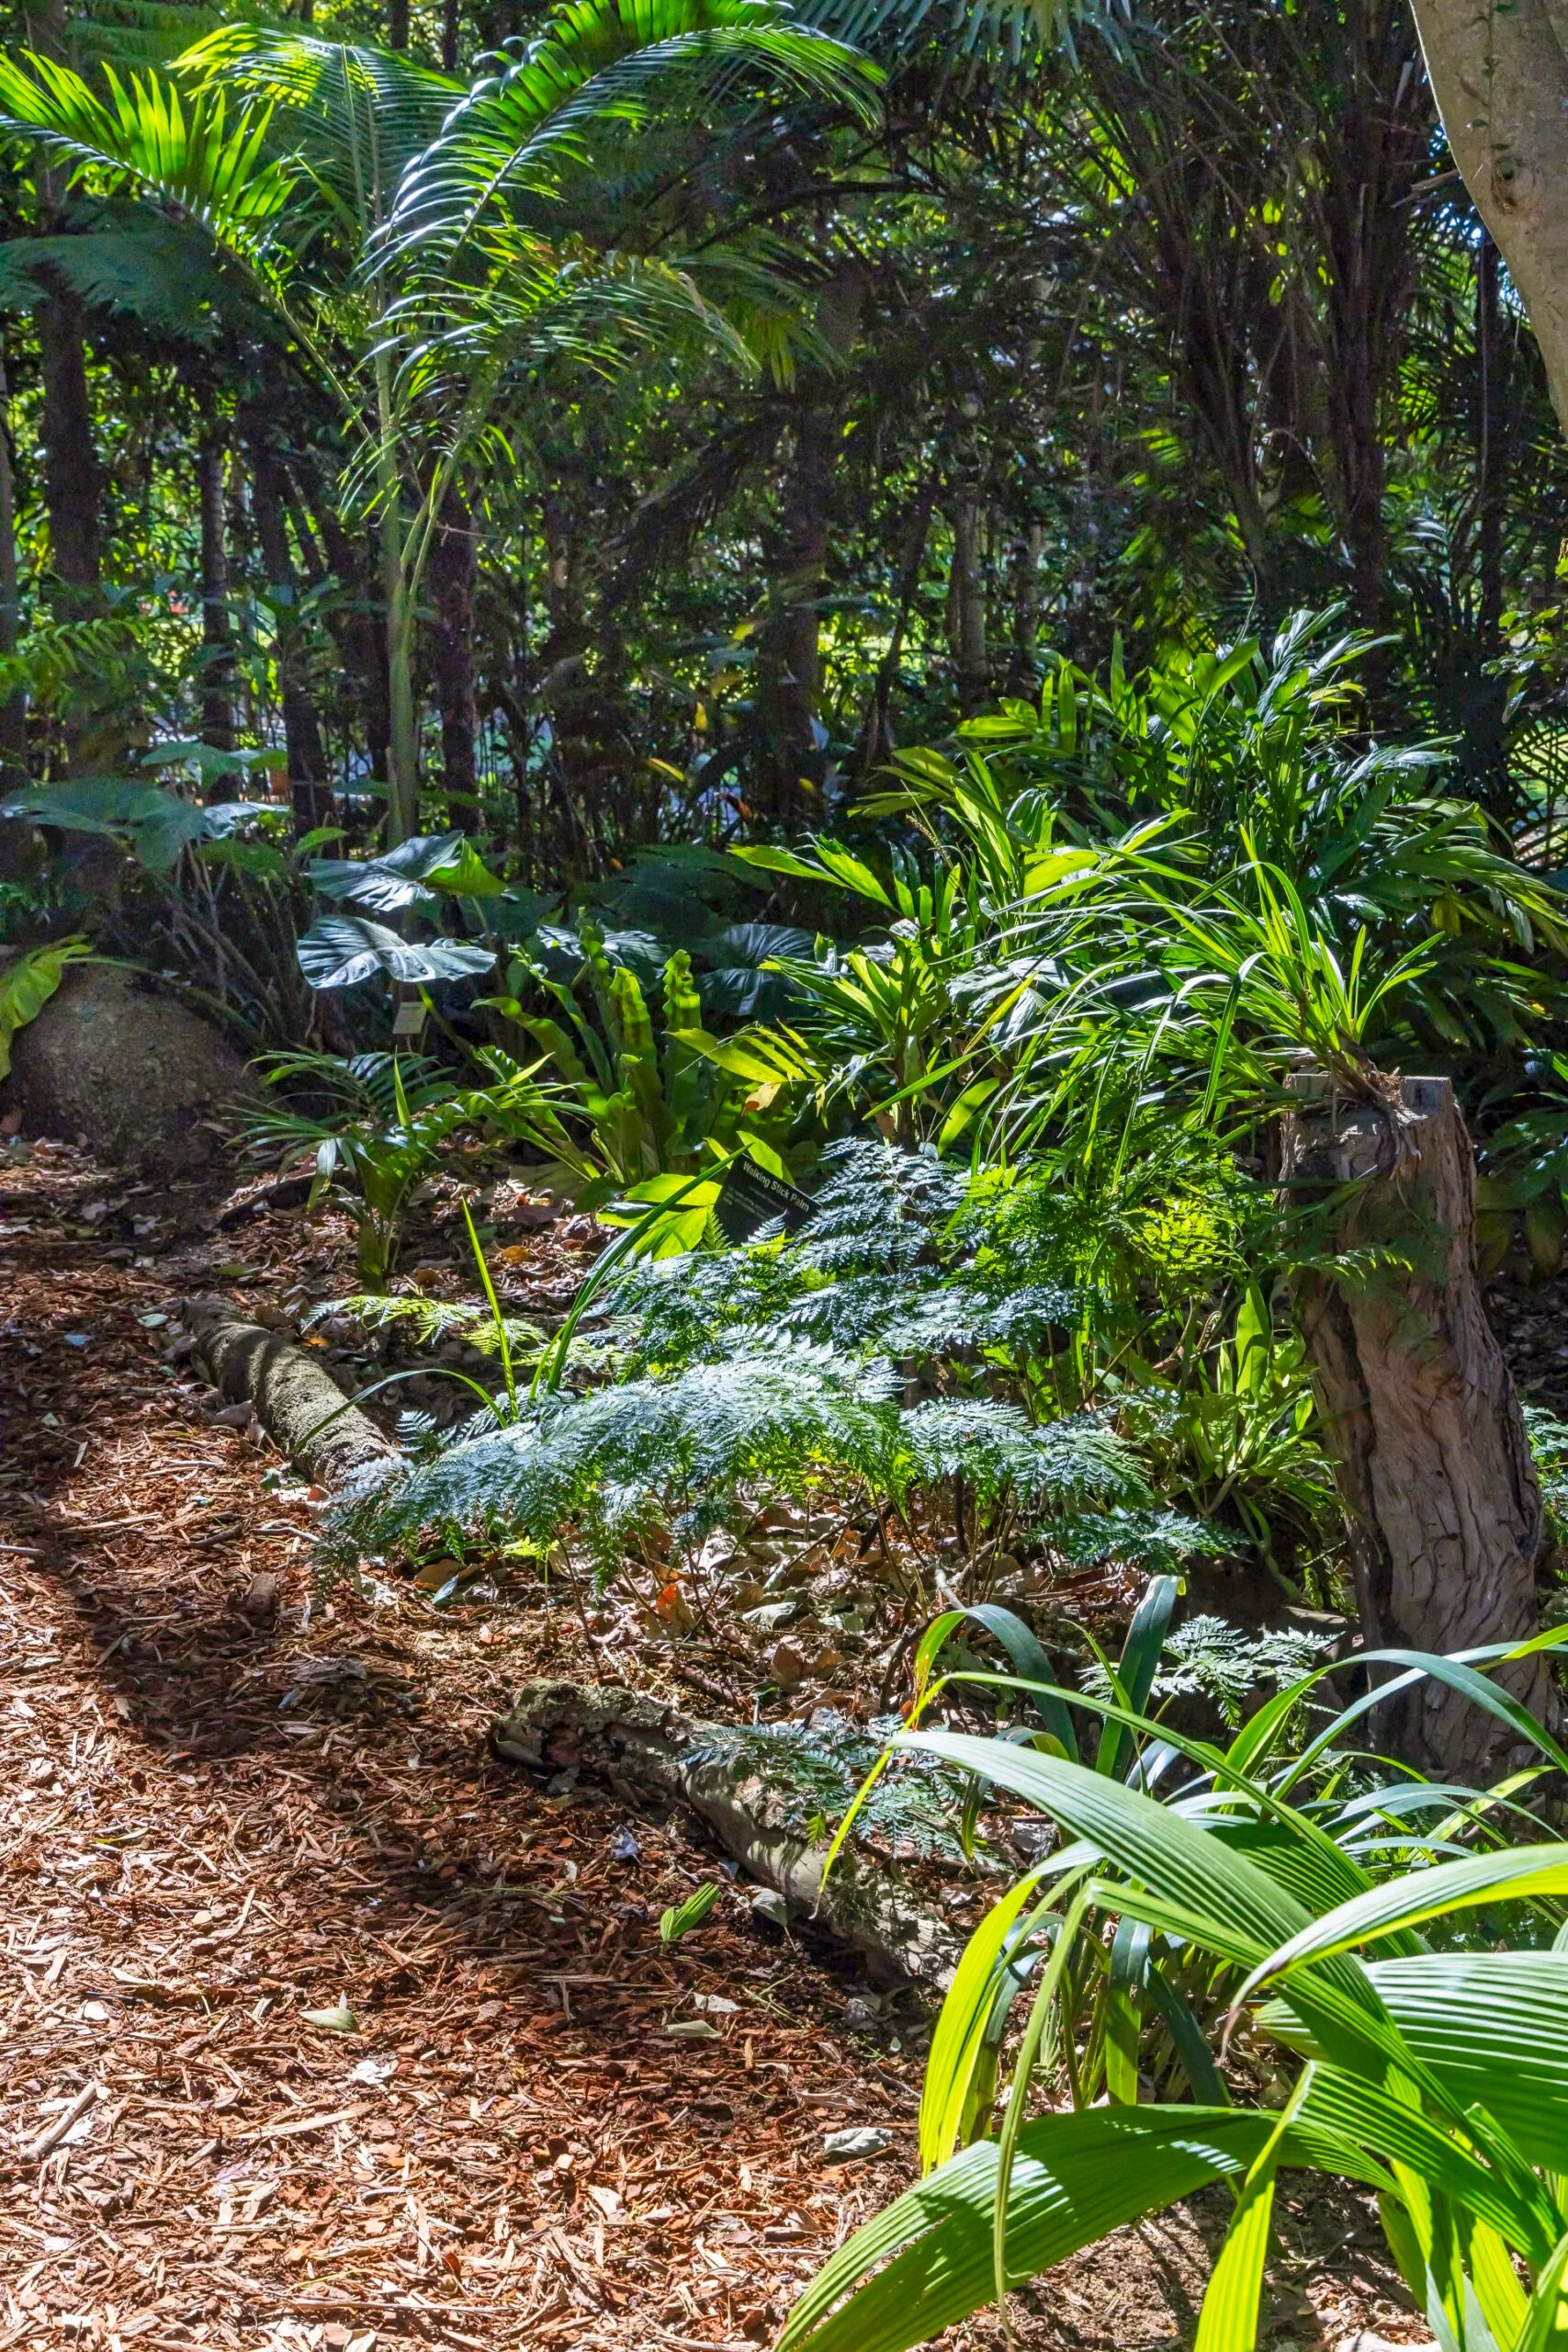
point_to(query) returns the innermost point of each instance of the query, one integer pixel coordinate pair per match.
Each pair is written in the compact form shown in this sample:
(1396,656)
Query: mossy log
(297,1401)
(649,1754)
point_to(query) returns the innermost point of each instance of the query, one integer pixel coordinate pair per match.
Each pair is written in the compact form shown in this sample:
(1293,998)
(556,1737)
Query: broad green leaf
(1546,2318)
(339,951)
(1074,2178)
(27,982)
(1412,1899)
(960,2035)
(1228,2320)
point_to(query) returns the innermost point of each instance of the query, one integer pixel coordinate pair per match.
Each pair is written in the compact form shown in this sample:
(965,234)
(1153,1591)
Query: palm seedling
(1336,1928)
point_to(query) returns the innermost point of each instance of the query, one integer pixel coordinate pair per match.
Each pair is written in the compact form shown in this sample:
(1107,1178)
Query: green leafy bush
(1430,2070)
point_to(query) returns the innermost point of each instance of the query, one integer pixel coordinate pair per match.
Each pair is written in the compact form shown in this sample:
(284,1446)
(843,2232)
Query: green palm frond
(146,134)
(356,115)
(516,135)
(161,273)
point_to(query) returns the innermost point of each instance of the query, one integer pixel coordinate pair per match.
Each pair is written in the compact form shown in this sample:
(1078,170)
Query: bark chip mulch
(319,2027)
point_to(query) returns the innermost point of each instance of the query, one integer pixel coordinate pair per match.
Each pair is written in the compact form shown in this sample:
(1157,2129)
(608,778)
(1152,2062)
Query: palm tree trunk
(216,631)
(790,654)
(309,789)
(967,608)
(72,477)
(452,570)
(13,708)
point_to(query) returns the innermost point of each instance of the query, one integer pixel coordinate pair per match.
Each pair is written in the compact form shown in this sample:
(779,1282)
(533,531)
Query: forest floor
(319,2025)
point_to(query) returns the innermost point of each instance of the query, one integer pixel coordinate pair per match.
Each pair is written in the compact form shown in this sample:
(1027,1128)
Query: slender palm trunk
(967,608)
(13,708)
(452,570)
(403,732)
(217,629)
(790,655)
(309,789)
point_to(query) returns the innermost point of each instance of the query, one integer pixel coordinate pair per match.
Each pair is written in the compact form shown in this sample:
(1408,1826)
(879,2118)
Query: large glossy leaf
(1408,1901)
(409,875)
(1074,2178)
(338,951)
(1492,2026)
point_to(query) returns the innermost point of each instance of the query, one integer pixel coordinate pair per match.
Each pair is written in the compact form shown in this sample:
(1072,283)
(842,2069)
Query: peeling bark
(1418,1403)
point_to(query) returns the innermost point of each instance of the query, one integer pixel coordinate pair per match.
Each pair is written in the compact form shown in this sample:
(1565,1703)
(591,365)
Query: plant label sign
(750,1198)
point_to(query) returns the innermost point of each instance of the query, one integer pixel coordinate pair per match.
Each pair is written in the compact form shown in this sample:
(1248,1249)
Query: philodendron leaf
(408,875)
(338,951)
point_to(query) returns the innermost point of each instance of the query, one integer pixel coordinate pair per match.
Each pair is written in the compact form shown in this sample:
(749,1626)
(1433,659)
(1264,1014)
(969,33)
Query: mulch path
(320,2026)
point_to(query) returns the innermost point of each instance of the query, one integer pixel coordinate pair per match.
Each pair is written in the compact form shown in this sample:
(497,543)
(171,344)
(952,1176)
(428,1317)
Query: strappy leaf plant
(1387,1951)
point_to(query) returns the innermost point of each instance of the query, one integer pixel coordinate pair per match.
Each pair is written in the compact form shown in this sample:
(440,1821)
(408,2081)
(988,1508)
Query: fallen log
(762,1817)
(295,1398)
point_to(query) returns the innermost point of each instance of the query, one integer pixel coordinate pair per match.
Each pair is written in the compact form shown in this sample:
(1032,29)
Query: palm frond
(146,133)
(519,131)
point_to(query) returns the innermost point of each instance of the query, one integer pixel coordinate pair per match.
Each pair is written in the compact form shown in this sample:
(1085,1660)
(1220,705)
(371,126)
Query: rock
(117,1061)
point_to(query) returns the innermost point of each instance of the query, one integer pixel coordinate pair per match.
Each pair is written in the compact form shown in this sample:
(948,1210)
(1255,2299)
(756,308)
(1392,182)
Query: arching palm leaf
(356,115)
(516,134)
(189,152)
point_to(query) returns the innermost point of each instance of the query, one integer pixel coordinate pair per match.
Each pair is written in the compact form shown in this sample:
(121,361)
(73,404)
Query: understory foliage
(1280,1954)
(890,1349)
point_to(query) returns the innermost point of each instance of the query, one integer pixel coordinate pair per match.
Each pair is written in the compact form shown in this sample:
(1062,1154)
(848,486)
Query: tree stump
(1418,1407)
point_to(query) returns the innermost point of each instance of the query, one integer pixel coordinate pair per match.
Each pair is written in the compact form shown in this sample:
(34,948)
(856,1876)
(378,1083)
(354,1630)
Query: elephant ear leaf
(339,951)
(28,983)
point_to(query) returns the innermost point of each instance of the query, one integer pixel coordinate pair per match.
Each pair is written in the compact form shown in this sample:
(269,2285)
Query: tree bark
(309,789)
(71,476)
(966,608)
(1500,77)
(1417,1404)
(216,631)
(296,1402)
(452,565)
(647,1753)
(789,658)
(12,706)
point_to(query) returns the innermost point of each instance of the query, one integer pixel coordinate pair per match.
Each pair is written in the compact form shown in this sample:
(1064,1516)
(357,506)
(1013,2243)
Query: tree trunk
(308,786)
(452,570)
(12,706)
(1500,77)
(966,607)
(1418,1405)
(217,673)
(789,658)
(451,32)
(72,477)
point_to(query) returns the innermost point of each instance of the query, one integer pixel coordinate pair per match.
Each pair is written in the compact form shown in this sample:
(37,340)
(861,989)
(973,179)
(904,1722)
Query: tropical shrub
(1309,1904)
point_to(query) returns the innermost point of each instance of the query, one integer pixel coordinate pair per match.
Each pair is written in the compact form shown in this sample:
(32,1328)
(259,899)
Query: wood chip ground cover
(319,2027)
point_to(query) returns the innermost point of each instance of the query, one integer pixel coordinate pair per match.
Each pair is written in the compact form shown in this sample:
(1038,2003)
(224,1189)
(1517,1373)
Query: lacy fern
(684,1450)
